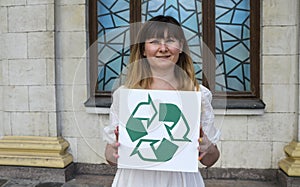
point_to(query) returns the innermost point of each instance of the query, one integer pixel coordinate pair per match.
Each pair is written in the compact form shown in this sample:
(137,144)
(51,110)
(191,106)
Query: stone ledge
(101,171)
(95,169)
(210,173)
(239,173)
(2,182)
(287,181)
(61,175)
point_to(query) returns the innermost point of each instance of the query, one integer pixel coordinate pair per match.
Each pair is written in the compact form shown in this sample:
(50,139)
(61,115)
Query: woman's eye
(154,42)
(170,41)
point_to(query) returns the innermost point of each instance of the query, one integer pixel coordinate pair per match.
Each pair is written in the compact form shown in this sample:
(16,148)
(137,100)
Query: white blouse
(150,178)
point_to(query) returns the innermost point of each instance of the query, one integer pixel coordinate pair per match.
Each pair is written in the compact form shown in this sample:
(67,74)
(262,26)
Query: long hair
(139,74)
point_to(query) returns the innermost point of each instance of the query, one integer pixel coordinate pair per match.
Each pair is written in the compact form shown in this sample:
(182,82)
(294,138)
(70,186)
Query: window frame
(233,100)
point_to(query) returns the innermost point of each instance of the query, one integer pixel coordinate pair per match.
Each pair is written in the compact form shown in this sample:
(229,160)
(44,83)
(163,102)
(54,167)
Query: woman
(160,59)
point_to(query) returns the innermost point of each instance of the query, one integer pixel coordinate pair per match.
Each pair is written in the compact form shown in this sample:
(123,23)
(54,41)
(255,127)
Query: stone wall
(257,141)
(44,78)
(28,102)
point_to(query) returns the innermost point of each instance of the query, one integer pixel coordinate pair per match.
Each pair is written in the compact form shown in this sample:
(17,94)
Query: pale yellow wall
(257,141)
(29,105)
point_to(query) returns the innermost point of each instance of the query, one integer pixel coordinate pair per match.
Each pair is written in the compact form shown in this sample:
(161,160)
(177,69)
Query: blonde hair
(139,74)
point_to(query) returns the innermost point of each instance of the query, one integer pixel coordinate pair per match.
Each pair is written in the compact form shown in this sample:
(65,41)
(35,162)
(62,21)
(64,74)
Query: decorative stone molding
(34,151)
(291,164)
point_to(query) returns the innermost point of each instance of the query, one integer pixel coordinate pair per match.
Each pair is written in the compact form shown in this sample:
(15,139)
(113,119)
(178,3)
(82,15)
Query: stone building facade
(45,78)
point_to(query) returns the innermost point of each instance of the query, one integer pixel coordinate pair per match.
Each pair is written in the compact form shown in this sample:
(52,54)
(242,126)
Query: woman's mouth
(164,57)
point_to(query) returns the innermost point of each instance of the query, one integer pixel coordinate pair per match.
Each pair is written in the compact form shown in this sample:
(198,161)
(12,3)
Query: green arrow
(164,152)
(171,113)
(134,126)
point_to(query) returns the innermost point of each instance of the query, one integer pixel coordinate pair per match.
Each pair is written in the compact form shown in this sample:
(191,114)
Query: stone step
(90,181)
(239,183)
(105,181)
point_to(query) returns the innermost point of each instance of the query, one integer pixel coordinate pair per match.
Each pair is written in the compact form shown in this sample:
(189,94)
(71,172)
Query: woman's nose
(163,46)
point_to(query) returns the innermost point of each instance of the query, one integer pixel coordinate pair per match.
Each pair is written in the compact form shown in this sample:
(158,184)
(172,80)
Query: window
(227,30)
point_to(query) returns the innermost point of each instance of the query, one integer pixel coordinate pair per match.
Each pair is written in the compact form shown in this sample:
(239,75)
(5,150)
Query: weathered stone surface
(12,3)
(242,174)
(2,181)
(279,40)
(244,154)
(42,98)
(41,45)
(74,18)
(27,18)
(13,45)
(3,20)
(278,12)
(38,174)
(286,181)
(27,72)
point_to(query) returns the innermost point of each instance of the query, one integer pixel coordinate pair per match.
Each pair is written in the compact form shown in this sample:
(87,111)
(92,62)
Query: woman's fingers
(204,145)
(111,153)
(116,155)
(201,131)
(116,145)
(202,155)
(204,142)
(116,131)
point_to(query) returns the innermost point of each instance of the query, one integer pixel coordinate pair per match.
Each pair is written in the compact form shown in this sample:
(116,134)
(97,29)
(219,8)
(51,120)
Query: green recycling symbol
(168,112)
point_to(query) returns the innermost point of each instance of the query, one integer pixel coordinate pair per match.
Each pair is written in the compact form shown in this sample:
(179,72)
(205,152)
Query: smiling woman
(159,45)
(160,60)
(160,51)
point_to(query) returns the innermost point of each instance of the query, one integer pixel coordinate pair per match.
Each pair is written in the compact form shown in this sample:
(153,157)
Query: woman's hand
(111,150)
(204,146)
(208,152)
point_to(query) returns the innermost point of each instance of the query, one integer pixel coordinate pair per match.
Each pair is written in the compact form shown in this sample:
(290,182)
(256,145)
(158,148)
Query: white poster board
(159,129)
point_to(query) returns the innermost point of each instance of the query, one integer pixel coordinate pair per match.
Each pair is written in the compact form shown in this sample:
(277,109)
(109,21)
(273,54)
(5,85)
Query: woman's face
(162,52)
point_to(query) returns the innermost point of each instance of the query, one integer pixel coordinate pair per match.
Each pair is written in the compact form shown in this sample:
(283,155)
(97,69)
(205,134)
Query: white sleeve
(108,131)
(207,116)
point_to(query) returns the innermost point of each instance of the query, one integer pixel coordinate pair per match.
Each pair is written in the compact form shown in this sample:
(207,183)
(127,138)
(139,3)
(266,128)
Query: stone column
(28,89)
(291,164)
